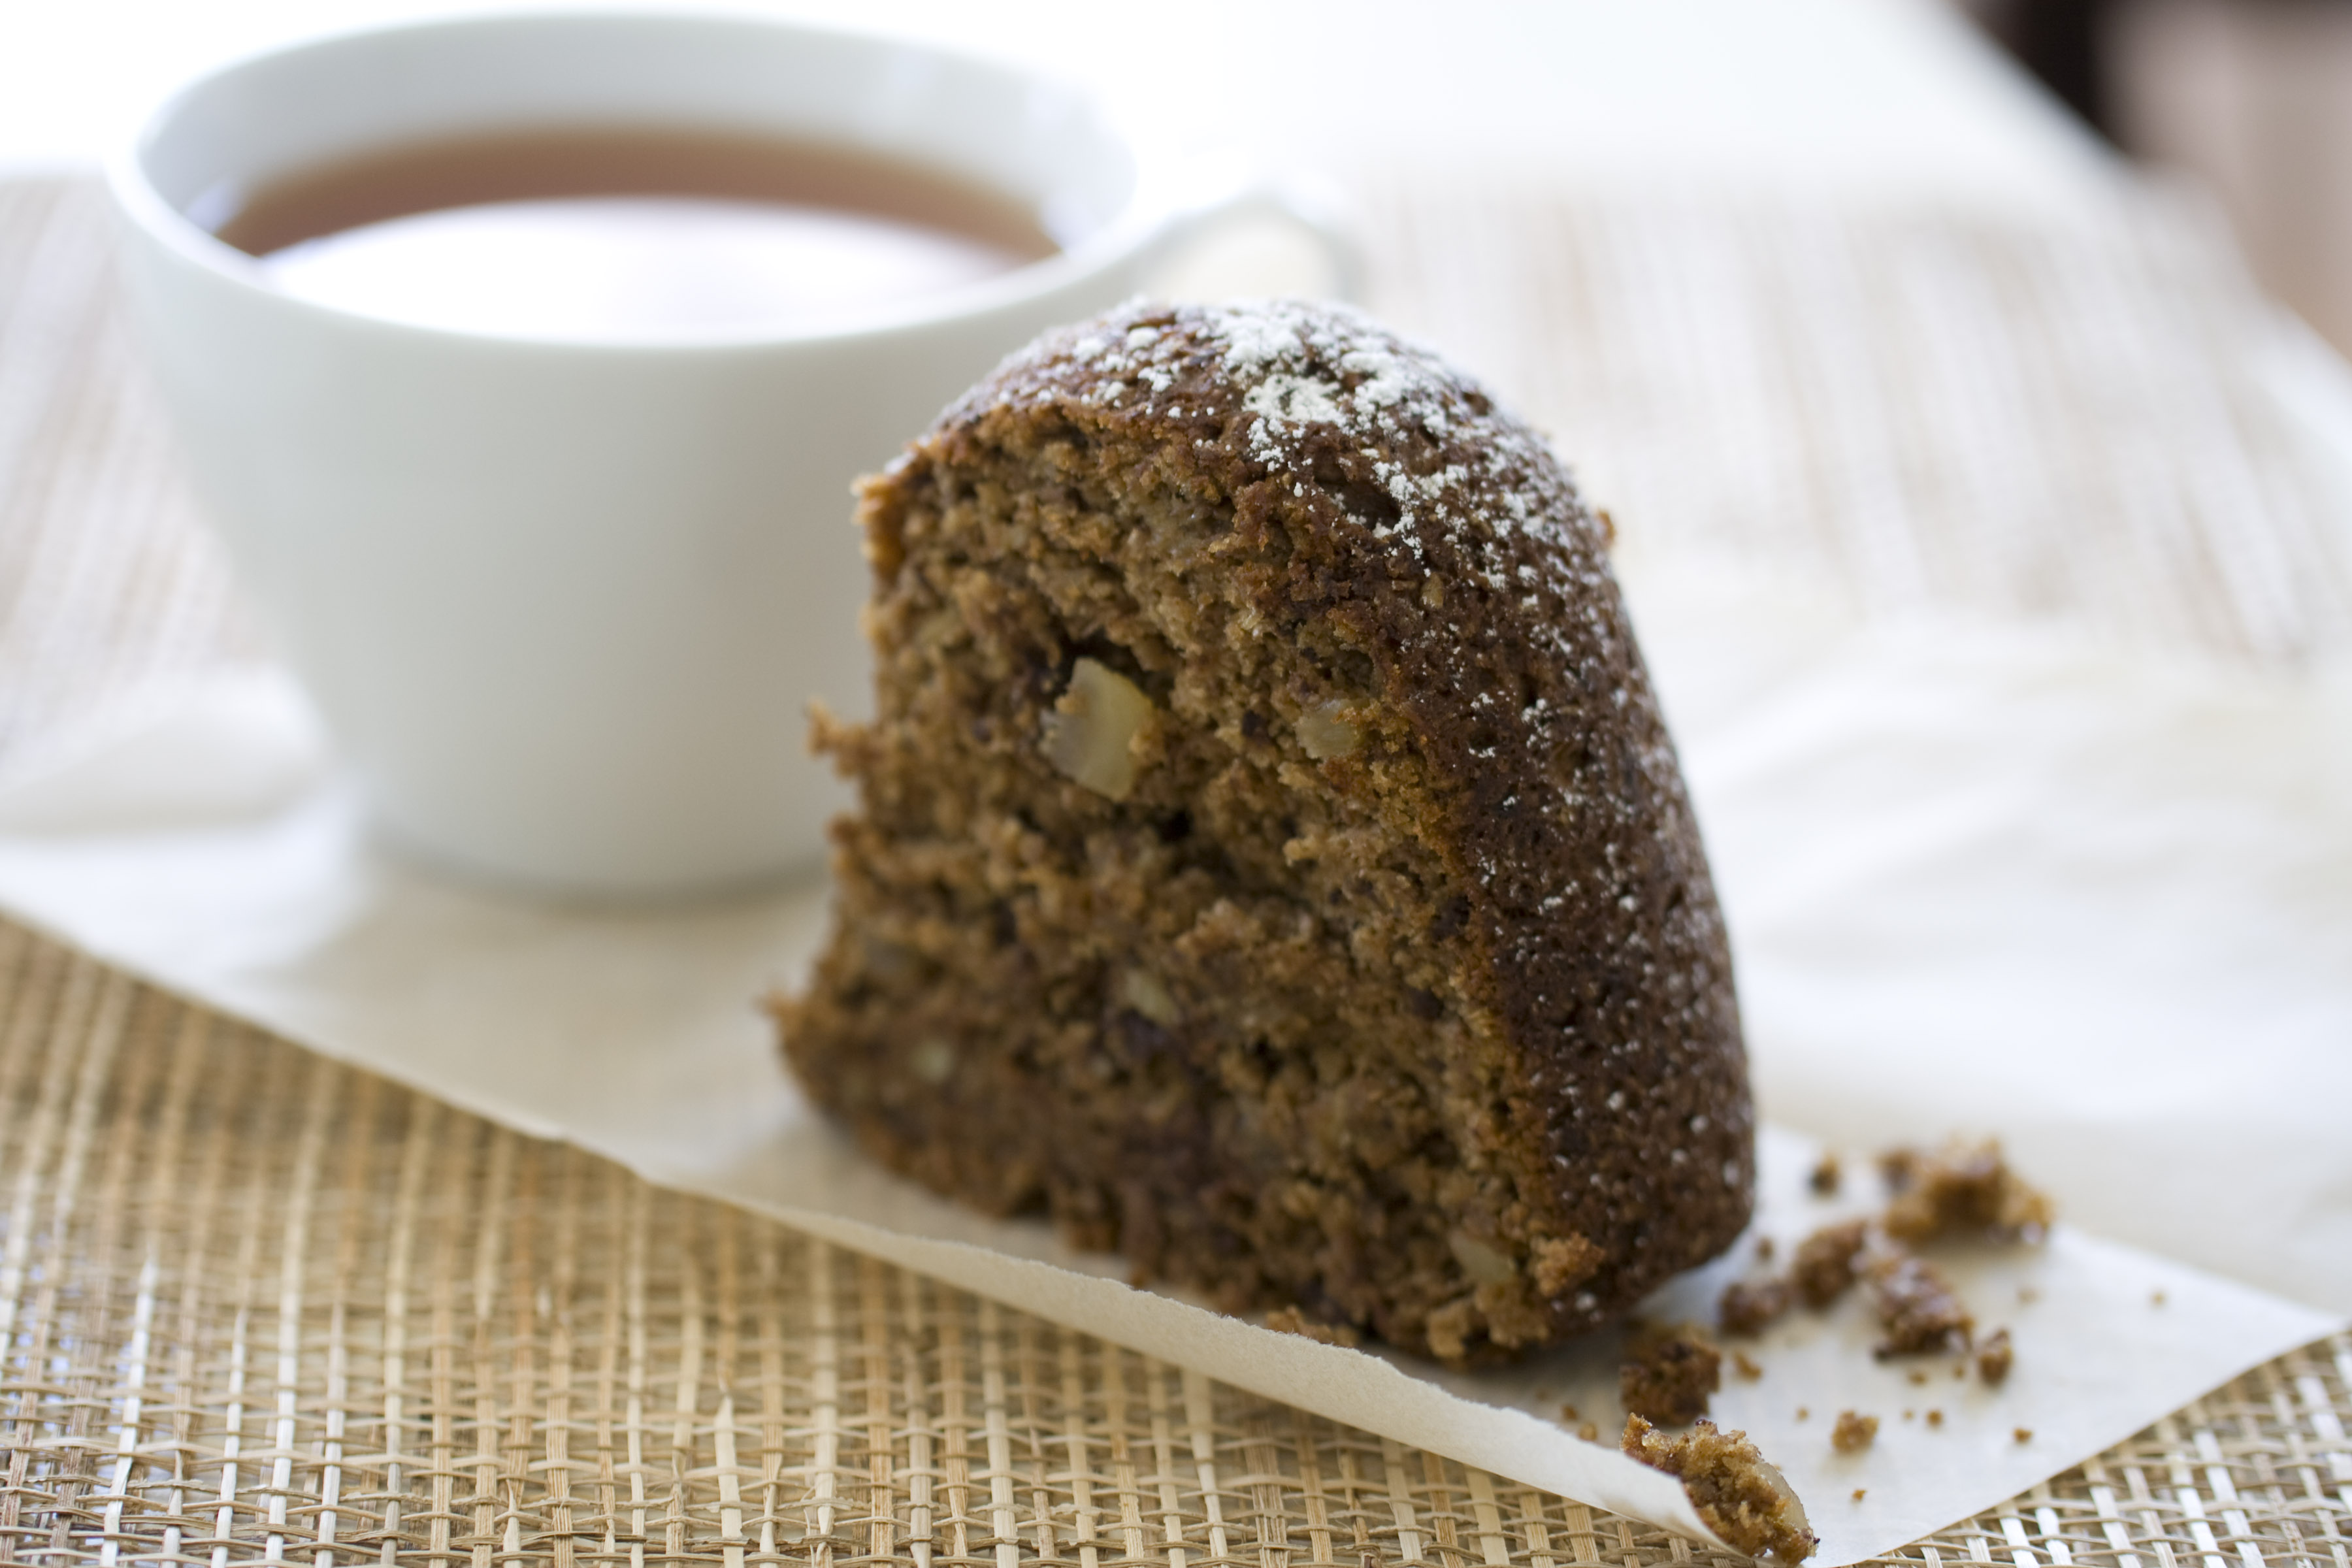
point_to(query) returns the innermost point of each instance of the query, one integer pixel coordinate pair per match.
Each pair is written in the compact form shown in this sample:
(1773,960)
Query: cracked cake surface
(1269,858)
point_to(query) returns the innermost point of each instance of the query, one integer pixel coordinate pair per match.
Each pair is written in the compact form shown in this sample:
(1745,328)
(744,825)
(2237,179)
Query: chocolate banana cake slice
(1269,856)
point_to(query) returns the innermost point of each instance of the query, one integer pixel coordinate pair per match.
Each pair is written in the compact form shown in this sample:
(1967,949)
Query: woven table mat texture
(256,1305)
(259,1306)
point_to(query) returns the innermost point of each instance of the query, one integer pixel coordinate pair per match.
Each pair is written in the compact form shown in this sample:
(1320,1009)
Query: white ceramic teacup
(563,604)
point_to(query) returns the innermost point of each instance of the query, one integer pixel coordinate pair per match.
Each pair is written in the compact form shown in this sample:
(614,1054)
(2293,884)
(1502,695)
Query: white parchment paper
(1906,829)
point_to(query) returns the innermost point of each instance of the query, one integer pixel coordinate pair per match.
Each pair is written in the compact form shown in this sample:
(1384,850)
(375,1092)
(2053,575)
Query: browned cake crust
(1270,858)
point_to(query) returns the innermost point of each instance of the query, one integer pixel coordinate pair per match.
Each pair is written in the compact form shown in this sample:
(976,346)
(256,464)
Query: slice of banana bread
(1270,858)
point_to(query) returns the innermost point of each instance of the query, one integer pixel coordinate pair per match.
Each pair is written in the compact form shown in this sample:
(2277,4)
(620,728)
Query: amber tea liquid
(620,232)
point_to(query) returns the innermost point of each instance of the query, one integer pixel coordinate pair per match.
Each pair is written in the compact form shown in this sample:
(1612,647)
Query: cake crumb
(2023,1434)
(1291,1320)
(1917,1308)
(1736,1493)
(1824,1267)
(1935,1418)
(1747,1369)
(2028,1294)
(1961,1189)
(1749,1306)
(1994,1358)
(1567,1413)
(1765,1247)
(2156,1300)
(1804,1413)
(1827,1175)
(1854,1432)
(1918,1376)
(1859,1494)
(1589,1432)
(1668,1374)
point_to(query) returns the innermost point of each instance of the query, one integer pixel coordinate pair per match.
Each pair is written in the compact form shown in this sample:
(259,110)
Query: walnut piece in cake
(1269,859)
(1668,1374)
(1736,1493)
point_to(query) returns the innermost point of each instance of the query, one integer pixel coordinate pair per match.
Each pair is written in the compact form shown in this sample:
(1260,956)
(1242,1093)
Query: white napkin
(1977,879)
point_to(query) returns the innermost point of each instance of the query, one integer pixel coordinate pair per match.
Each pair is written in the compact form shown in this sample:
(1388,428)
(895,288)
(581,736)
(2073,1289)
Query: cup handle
(1305,203)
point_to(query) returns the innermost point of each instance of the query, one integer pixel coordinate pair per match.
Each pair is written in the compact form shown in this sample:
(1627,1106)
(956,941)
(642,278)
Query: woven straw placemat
(258,1306)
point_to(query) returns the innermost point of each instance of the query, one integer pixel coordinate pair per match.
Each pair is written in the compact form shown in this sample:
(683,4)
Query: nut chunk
(1917,1308)
(1668,1374)
(1961,1189)
(1854,1432)
(1736,1493)
(1090,735)
(1824,1267)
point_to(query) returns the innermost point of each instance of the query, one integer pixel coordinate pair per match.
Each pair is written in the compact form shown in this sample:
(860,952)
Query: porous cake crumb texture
(1269,858)
(1736,1493)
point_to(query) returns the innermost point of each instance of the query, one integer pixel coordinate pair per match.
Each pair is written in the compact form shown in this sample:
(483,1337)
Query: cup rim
(1129,230)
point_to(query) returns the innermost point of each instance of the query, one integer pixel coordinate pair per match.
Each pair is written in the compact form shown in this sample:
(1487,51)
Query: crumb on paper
(1668,1374)
(1935,1418)
(1749,1306)
(2023,1434)
(1910,1414)
(1765,1247)
(1824,1267)
(1747,1369)
(1994,1358)
(1567,1413)
(1854,1432)
(2028,1294)
(1589,1432)
(1827,1175)
(1917,1308)
(1734,1490)
(2156,1300)
(1859,1493)
(1291,1320)
(1915,1376)
(1961,1189)
(1804,1413)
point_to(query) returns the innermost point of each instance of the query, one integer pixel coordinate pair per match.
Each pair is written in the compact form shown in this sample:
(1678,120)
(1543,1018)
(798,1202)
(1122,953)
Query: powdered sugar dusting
(1295,400)
(1311,385)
